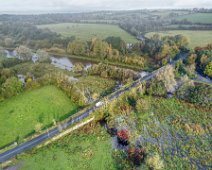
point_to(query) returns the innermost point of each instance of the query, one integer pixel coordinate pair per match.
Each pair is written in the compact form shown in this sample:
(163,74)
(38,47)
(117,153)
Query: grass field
(196,38)
(88,31)
(97,85)
(82,150)
(205,18)
(19,115)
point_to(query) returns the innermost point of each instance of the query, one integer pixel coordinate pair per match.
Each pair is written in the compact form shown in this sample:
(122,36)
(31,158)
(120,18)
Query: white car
(98,104)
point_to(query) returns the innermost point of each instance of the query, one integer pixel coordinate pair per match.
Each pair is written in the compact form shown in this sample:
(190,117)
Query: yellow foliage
(155,162)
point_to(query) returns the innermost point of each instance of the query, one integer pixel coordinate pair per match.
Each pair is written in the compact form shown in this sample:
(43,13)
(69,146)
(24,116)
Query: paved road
(43,137)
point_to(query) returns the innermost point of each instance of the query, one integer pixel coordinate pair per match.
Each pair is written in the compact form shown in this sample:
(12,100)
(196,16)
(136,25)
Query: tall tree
(43,56)
(77,47)
(117,43)
(24,53)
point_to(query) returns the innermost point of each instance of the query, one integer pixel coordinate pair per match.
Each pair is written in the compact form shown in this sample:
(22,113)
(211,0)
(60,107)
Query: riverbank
(95,60)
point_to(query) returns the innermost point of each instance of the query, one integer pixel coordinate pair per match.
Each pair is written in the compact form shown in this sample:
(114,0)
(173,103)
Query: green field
(88,31)
(96,85)
(82,150)
(205,18)
(196,38)
(20,115)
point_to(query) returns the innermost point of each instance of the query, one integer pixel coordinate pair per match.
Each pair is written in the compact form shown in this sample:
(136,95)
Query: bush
(123,136)
(11,87)
(136,155)
(156,88)
(208,70)
(155,163)
(10,62)
(113,72)
(198,94)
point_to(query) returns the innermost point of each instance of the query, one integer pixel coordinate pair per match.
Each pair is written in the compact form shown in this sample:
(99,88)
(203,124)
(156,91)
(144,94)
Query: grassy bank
(32,110)
(89,31)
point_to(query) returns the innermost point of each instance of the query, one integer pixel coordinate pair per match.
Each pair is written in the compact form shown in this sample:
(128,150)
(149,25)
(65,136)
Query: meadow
(196,38)
(31,111)
(84,150)
(204,18)
(89,31)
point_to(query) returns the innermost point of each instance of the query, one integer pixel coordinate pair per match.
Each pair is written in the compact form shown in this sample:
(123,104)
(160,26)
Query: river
(58,61)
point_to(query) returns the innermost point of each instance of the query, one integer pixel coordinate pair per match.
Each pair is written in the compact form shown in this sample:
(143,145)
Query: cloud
(193,3)
(77,5)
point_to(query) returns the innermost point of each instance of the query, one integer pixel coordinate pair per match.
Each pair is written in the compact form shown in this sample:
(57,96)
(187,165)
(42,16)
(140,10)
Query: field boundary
(66,132)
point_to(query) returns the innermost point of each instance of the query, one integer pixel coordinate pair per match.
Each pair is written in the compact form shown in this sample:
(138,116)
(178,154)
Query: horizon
(79,6)
(66,11)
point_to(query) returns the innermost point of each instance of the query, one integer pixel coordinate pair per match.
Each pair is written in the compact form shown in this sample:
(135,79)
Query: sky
(93,5)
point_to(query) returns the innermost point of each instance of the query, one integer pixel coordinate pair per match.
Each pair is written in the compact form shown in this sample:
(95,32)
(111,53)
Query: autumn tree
(136,155)
(101,49)
(78,67)
(117,43)
(181,41)
(77,47)
(208,70)
(24,53)
(123,136)
(11,87)
(156,88)
(43,56)
(191,58)
(167,76)
(8,42)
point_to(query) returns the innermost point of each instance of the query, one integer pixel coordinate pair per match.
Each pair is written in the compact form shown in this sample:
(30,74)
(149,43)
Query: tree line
(112,49)
(13,34)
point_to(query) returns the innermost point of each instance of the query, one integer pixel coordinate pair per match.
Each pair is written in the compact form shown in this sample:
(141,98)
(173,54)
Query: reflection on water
(67,63)
(11,54)
(63,63)
(60,62)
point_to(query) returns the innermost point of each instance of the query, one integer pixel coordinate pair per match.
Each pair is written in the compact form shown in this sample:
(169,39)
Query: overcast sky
(90,5)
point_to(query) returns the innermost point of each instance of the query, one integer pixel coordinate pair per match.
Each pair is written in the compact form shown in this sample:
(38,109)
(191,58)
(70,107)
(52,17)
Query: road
(45,136)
